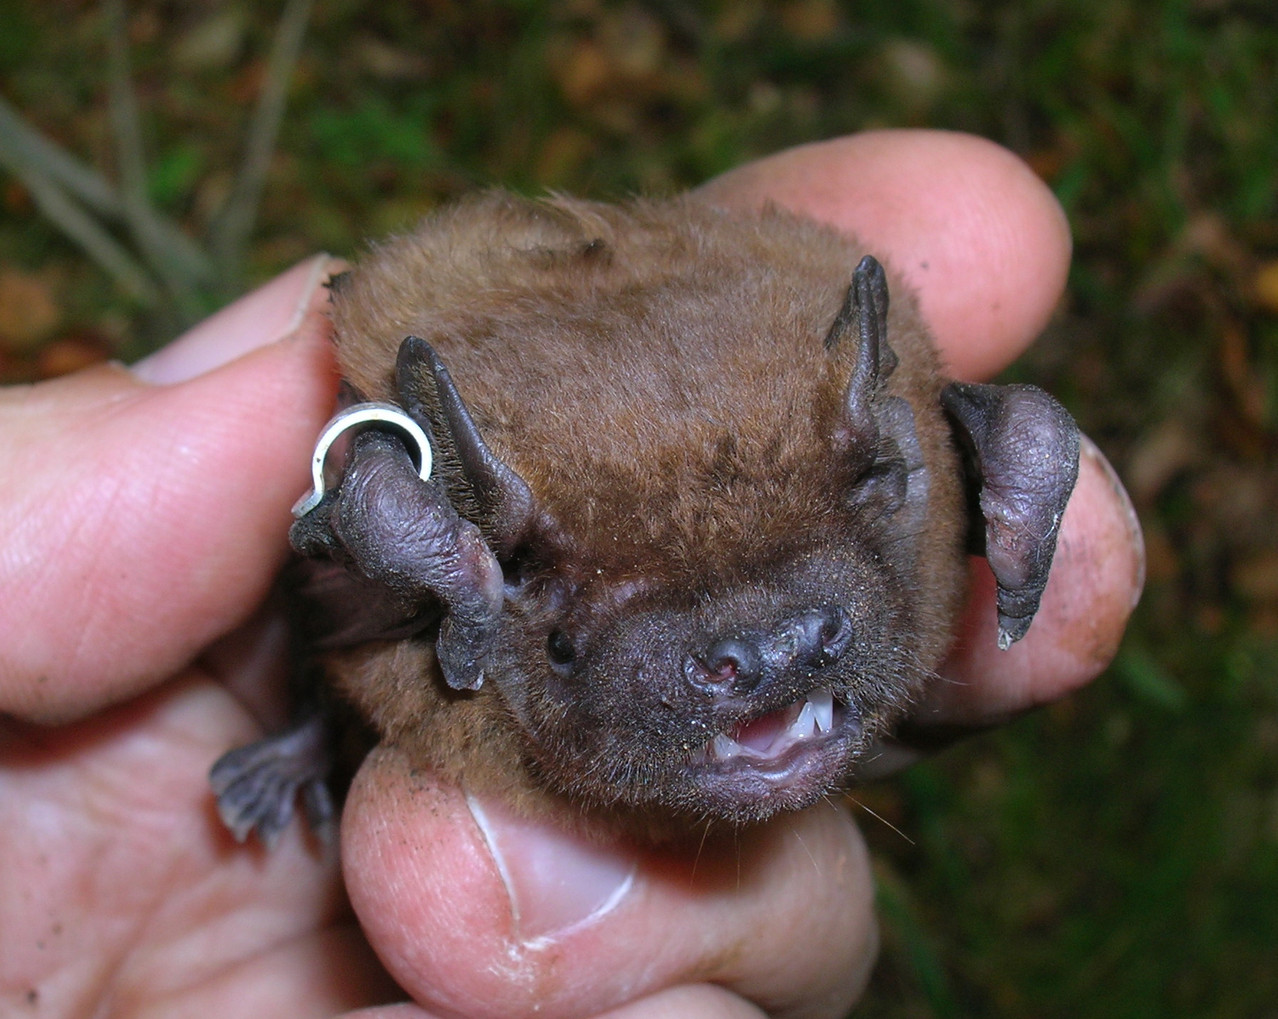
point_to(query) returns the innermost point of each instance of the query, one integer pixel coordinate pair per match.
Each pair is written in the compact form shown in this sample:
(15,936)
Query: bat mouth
(781,760)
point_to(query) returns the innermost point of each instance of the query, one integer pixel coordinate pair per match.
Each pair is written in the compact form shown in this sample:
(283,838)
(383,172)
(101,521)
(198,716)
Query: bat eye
(559,648)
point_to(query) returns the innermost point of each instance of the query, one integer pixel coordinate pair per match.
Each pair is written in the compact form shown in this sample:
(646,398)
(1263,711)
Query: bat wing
(1022,458)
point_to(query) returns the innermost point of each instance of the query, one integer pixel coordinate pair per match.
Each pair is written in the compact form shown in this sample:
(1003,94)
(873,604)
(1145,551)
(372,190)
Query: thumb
(476,911)
(142,521)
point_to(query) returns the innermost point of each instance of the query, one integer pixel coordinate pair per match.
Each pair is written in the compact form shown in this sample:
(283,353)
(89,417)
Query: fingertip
(977,235)
(272,312)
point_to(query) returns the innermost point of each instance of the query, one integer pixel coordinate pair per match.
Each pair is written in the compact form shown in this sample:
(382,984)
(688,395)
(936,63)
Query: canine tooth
(804,725)
(725,747)
(822,702)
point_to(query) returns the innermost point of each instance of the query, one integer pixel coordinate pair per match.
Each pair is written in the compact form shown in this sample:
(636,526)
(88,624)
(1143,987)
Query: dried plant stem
(234,222)
(166,265)
(183,271)
(72,219)
(60,181)
(21,143)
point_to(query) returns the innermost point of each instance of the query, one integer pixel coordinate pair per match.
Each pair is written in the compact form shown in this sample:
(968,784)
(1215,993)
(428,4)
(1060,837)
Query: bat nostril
(733,665)
(836,629)
(819,635)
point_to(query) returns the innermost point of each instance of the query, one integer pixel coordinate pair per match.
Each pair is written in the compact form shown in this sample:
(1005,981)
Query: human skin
(143,518)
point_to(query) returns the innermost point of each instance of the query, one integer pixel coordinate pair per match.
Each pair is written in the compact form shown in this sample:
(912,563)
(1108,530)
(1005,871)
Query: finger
(486,915)
(974,232)
(143,521)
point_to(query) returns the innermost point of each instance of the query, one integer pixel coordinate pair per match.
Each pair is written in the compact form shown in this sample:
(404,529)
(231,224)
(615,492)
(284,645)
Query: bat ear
(1021,449)
(874,432)
(865,309)
(498,498)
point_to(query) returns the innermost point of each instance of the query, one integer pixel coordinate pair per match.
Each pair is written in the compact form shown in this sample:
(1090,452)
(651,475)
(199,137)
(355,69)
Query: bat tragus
(694,536)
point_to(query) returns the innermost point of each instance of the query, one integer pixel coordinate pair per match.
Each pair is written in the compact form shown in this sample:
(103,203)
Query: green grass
(1116,855)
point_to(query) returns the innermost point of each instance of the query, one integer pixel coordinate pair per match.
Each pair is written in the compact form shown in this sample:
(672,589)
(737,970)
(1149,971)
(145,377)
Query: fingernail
(1136,539)
(557,881)
(269,313)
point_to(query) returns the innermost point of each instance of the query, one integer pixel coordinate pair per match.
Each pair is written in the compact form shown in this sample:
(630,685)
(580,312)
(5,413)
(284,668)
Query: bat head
(729,646)
(713,597)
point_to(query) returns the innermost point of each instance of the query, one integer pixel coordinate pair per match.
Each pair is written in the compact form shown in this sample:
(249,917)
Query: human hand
(143,522)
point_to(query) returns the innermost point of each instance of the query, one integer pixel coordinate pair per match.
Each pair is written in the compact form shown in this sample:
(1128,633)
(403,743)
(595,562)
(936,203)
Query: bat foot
(257,785)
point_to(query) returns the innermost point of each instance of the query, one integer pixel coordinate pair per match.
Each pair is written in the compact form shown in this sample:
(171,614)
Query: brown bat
(695,537)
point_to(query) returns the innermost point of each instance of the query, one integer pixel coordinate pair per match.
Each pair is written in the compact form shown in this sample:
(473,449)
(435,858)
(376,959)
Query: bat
(693,536)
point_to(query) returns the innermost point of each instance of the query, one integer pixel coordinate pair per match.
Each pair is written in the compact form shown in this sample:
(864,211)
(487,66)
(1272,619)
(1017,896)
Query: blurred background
(1115,855)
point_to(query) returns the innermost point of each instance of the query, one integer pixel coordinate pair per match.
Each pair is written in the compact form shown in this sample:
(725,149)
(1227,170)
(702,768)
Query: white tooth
(725,747)
(822,702)
(803,725)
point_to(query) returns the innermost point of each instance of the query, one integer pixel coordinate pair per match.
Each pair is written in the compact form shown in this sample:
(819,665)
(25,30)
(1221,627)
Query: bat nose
(738,664)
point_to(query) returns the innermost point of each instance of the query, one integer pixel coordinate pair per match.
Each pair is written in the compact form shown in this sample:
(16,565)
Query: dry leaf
(28,310)
(1266,287)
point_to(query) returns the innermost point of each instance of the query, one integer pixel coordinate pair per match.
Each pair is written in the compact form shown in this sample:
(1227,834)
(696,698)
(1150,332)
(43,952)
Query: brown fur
(655,372)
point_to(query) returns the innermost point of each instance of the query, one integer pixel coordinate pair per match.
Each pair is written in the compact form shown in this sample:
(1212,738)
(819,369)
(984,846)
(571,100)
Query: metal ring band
(364,414)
